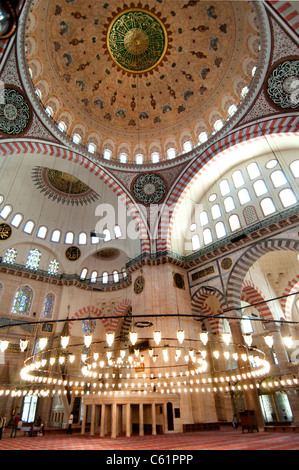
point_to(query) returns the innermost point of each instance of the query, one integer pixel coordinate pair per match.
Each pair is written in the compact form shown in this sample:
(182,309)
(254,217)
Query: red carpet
(212,440)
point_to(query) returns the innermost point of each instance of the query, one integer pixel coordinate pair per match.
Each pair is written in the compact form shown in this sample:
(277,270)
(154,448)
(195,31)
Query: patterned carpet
(212,440)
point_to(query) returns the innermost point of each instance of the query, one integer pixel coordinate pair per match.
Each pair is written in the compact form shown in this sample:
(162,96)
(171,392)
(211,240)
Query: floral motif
(14,113)
(283,85)
(149,188)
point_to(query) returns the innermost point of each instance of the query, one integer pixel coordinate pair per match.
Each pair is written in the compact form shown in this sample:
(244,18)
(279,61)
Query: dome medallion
(137,40)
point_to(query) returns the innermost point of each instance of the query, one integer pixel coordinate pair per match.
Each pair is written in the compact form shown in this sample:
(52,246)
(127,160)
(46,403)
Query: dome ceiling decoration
(140,78)
(149,188)
(62,187)
(15,115)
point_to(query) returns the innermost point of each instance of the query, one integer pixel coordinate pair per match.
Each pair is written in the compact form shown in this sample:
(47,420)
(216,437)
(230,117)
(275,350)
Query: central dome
(141,79)
(137,40)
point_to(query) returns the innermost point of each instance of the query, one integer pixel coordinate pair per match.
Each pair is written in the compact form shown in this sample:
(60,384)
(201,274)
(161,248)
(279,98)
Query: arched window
(267,206)
(207,236)
(229,204)
(244,91)
(10,256)
(29,226)
(203,137)
(204,219)
(220,230)
(224,187)
(195,242)
(5,211)
(295,168)
(105,277)
(107,154)
(232,109)
(115,276)
(117,231)
(69,238)
(42,232)
(170,153)
(55,237)
(93,277)
(82,239)
(187,146)
(234,222)
(91,148)
(155,157)
(216,212)
(17,219)
(48,306)
(260,187)
(218,125)
(238,179)
(33,259)
(123,158)
(278,178)
(62,126)
(287,197)
(77,139)
(271,164)
(83,273)
(49,111)
(139,158)
(53,267)
(22,301)
(244,196)
(253,170)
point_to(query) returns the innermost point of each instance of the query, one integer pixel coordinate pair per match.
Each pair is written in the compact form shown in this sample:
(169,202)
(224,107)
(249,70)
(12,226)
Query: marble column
(114,420)
(92,424)
(154,426)
(128,420)
(83,419)
(141,424)
(103,416)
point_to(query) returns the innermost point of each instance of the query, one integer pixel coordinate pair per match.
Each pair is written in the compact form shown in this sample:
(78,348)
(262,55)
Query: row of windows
(22,302)
(33,260)
(42,231)
(278,179)
(105,277)
(155,156)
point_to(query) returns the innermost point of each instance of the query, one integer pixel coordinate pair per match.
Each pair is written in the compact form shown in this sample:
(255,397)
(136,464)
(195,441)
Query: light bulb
(23,344)
(65,341)
(110,338)
(3,345)
(180,336)
(288,341)
(157,337)
(269,340)
(133,337)
(43,343)
(248,340)
(204,337)
(87,340)
(226,338)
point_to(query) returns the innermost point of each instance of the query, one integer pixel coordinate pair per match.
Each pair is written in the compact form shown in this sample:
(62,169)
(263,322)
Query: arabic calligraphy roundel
(149,188)
(137,40)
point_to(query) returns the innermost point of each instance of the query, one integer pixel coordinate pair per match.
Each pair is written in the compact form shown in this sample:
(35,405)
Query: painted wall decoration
(15,114)
(283,85)
(149,188)
(62,187)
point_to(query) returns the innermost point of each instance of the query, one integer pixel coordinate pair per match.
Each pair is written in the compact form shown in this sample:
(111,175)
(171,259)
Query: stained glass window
(10,256)
(33,259)
(53,267)
(22,301)
(48,306)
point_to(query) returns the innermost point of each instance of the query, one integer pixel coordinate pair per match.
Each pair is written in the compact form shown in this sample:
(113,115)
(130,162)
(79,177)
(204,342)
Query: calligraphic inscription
(203,273)
(5,231)
(14,112)
(139,284)
(283,85)
(178,280)
(137,40)
(73,253)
